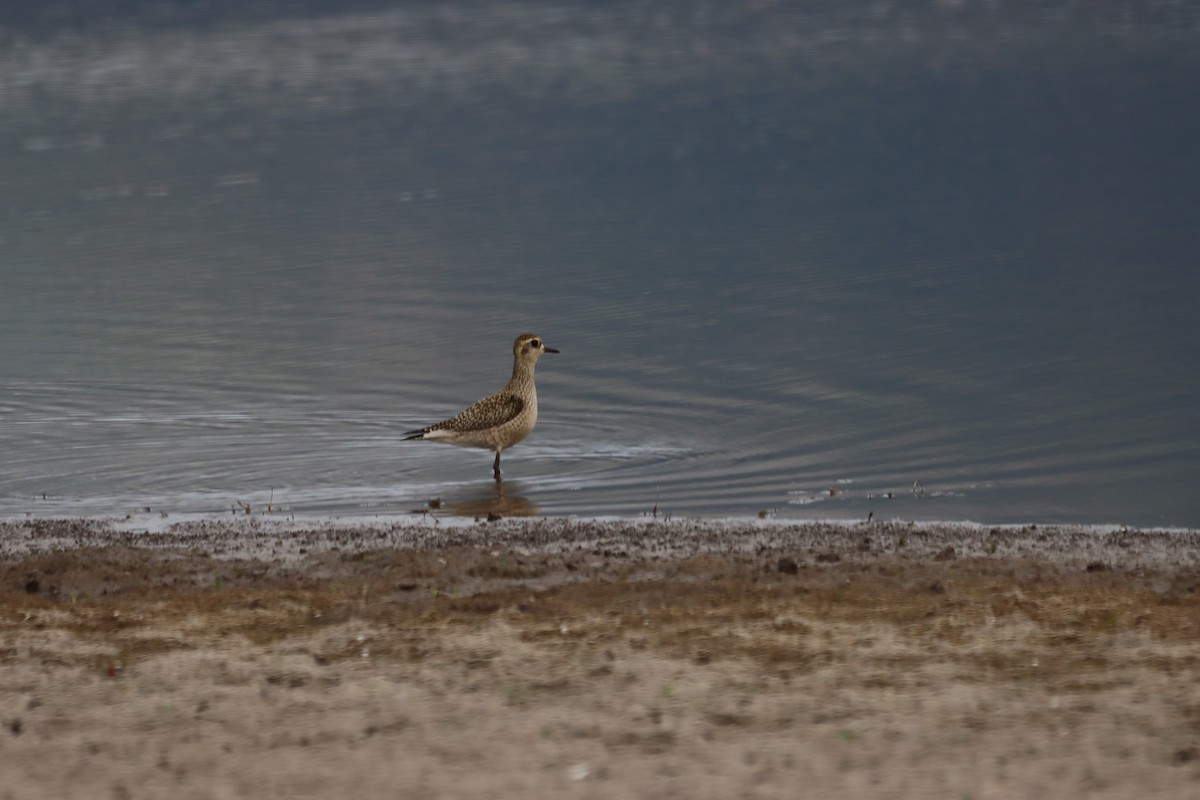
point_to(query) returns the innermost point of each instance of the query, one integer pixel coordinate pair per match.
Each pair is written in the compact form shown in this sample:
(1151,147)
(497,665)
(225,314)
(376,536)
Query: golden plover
(498,421)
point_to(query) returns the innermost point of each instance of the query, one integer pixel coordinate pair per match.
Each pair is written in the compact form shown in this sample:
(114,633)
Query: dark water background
(796,260)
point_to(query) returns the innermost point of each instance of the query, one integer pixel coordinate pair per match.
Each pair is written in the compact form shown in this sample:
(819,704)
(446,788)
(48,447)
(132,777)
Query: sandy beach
(261,658)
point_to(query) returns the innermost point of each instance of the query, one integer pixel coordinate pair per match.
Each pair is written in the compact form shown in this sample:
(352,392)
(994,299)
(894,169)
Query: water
(934,265)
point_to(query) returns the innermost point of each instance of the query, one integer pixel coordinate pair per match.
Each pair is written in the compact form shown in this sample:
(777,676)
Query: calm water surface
(795,264)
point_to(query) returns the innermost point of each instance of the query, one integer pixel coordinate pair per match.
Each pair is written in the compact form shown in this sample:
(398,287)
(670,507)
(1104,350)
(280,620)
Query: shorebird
(498,421)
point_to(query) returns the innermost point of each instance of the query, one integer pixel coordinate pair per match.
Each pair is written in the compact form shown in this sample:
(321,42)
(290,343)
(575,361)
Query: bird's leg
(496,467)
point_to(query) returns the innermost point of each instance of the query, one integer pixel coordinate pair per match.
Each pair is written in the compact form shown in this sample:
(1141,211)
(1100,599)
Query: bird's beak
(550,350)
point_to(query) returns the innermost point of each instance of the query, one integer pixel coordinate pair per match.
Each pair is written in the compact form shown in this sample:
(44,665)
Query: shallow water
(829,274)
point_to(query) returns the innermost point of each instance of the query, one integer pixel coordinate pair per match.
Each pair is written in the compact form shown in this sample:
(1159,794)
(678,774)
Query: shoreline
(284,537)
(597,658)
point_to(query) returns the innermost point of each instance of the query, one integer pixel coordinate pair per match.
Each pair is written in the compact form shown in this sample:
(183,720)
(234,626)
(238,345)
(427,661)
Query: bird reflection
(496,499)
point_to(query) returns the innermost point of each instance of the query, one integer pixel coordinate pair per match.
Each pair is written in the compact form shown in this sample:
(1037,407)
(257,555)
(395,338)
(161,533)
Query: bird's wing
(489,412)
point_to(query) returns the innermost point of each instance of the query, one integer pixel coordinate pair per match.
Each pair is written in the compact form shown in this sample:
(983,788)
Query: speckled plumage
(498,421)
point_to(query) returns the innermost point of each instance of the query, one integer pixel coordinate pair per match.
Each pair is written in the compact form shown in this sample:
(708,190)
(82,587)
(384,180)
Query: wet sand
(439,659)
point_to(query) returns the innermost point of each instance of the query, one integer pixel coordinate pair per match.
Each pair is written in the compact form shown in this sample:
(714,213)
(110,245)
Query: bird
(500,420)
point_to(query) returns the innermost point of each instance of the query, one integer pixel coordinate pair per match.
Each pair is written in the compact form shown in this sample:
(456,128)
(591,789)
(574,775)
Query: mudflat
(262,658)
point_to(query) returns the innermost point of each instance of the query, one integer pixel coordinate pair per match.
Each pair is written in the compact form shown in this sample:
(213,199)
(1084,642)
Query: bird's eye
(536,344)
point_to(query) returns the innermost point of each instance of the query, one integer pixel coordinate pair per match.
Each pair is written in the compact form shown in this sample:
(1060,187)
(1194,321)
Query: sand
(264,658)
